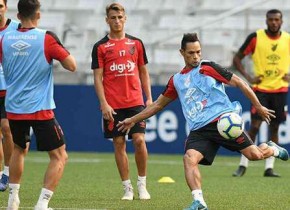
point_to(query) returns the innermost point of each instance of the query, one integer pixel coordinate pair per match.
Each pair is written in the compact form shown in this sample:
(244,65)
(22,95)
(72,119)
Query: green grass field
(91,181)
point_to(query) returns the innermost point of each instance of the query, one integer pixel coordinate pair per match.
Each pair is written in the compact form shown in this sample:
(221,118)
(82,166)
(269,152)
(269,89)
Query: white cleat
(40,208)
(13,205)
(129,194)
(142,192)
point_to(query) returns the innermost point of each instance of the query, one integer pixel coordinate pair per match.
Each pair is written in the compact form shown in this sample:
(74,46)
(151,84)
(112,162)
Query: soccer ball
(230,125)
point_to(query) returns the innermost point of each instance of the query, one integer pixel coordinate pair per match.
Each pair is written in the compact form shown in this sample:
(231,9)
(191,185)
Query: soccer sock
(6,170)
(127,183)
(13,194)
(44,198)
(244,161)
(141,179)
(270,162)
(197,195)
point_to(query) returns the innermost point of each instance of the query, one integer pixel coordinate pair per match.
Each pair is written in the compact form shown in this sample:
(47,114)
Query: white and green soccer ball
(230,125)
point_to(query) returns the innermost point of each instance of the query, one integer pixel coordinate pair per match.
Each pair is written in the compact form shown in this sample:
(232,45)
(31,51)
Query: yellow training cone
(166,179)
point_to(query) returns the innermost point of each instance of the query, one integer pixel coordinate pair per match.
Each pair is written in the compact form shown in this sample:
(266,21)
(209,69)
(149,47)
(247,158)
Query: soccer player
(6,24)
(270,51)
(27,56)
(199,87)
(120,74)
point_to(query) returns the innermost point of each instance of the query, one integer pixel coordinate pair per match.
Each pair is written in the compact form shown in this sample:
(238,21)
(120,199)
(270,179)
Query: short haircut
(273,11)
(115,6)
(189,37)
(5,2)
(28,8)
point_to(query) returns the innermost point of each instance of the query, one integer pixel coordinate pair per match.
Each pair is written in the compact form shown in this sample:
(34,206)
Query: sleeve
(216,71)
(97,58)
(170,90)
(142,57)
(249,45)
(53,48)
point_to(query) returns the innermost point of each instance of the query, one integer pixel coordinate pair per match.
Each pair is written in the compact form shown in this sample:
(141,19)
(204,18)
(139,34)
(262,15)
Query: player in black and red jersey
(121,77)
(269,49)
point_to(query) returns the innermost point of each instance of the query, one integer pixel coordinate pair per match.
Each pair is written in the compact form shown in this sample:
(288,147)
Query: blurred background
(222,27)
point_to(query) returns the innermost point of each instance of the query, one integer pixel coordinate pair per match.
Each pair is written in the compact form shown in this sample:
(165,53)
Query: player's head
(116,17)
(28,9)
(274,20)
(3,10)
(191,49)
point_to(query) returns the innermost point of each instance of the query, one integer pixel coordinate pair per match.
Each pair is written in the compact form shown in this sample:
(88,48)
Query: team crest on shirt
(132,50)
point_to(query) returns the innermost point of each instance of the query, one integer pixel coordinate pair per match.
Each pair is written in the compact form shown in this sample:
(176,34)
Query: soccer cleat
(240,171)
(129,194)
(4,182)
(13,204)
(283,153)
(142,192)
(270,173)
(196,205)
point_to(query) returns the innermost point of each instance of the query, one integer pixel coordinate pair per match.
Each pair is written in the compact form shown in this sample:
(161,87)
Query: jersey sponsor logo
(274,47)
(108,44)
(20,45)
(130,42)
(22,36)
(129,66)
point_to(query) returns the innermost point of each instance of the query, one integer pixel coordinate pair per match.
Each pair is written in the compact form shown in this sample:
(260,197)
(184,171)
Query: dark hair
(28,8)
(5,2)
(274,11)
(189,37)
(114,6)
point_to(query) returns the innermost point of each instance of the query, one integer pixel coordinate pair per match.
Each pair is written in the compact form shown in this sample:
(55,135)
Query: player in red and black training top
(121,77)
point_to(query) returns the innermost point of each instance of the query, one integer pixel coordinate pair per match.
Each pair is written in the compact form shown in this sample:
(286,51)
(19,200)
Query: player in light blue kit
(199,87)
(6,25)
(27,56)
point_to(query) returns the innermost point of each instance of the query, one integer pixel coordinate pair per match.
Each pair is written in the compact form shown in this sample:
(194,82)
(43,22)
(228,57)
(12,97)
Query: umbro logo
(20,45)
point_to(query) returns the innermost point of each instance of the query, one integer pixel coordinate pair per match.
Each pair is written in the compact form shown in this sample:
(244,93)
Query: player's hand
(266,114)
(125,125)
(255,80)
(286,77)
(148,102)
(108,112)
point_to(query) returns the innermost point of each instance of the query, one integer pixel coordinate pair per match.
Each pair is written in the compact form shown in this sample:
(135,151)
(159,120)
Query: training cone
(166,179)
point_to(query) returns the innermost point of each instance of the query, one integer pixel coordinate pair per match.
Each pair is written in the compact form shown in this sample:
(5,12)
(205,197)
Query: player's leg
(50,138)
(20,133)
(7,150)
(141,156)
(1,155)
(122,163)
(253,131)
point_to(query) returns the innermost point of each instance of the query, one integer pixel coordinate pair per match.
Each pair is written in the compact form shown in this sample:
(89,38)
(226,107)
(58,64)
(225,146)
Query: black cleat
(270,173)
(240,171)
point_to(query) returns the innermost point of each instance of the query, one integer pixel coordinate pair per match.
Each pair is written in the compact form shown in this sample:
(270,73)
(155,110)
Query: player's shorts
(2,108)
(207,141)
(48,133)
(274,101)
(111,129)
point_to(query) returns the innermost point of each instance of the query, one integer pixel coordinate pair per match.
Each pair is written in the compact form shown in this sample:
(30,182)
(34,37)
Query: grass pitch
(91,181)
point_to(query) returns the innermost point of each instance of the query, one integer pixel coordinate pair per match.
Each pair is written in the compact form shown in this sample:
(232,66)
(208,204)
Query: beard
(274,30)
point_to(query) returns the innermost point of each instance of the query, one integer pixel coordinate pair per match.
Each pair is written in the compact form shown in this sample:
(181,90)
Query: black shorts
(207,141)
(48,133)
(2,108)
(111,129)
(274,101)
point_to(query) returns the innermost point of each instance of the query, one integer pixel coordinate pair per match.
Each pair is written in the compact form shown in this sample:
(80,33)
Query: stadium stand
(222,26)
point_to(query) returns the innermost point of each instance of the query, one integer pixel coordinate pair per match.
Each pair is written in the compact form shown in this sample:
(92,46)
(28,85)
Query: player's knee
(139,141)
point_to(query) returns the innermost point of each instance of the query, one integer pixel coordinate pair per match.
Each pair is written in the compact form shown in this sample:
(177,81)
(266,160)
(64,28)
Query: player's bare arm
(146,84)
(107,110)
(149,111)
(265,113)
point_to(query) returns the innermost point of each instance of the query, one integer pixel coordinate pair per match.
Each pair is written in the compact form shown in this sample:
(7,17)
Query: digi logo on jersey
(122,67)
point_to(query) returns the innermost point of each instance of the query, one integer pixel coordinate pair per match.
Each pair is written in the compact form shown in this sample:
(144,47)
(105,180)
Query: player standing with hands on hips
(121,76)
(27,56)
(270,52)
(199,87)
